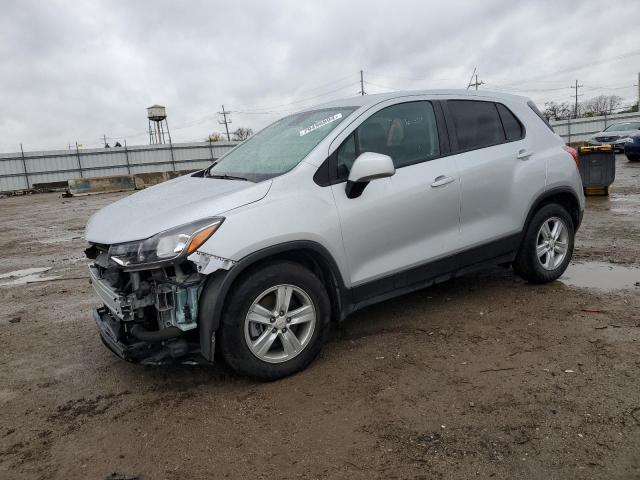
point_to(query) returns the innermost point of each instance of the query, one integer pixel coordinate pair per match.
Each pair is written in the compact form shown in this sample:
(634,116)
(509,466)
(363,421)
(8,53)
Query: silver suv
(327,211)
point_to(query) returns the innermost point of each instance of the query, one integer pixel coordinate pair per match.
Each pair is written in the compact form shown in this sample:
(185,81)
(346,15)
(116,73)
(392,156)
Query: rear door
(404,220)
(497,175)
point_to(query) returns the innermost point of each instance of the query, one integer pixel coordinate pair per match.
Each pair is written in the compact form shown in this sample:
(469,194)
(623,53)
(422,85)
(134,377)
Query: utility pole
(362,92)
(104,136)
(638,91)
(576,87)
(475,84)
(224,120)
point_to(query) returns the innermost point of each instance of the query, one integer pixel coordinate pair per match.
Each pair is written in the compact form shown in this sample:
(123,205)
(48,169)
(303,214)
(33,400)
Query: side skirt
(499,251)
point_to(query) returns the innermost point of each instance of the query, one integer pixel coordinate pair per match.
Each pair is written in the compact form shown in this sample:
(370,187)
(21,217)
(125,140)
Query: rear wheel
(633,158)
(275,322)
(547,246)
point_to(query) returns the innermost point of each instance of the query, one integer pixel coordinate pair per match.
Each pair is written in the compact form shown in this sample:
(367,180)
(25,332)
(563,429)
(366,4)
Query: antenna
(476,83)
(471,78)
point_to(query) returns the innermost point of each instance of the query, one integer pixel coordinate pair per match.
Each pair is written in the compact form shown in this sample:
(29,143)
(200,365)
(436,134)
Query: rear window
(533,107)
(477,124)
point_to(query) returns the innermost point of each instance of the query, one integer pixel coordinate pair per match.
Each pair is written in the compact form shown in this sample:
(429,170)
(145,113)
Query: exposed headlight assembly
(165,246)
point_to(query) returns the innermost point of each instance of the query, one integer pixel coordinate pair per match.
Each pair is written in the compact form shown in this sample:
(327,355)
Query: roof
(369,100)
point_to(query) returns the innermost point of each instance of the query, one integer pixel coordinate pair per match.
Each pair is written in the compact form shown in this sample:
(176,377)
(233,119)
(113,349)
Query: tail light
(574,154)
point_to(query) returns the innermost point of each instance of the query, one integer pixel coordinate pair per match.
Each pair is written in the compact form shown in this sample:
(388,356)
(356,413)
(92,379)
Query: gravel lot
(480,377)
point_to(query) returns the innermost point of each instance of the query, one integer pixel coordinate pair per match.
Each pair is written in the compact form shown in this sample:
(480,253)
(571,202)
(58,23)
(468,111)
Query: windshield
(623,127)
(281,146)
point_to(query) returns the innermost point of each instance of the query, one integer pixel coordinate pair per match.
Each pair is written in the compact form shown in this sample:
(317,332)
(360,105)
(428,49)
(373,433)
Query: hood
(615,133)
(169,204)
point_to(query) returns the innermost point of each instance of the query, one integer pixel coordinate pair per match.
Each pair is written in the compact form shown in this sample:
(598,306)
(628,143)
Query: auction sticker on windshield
(321,124)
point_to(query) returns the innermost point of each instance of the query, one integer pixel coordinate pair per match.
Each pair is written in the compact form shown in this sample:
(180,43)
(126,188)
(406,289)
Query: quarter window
(512,127)
(407,132)
(477,124)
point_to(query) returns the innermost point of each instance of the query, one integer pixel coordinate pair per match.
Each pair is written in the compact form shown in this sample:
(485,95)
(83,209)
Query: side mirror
(368,166)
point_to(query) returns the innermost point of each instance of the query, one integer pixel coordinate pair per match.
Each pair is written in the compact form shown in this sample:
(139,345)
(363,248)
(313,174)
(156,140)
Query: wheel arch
(563,196)
(310,254)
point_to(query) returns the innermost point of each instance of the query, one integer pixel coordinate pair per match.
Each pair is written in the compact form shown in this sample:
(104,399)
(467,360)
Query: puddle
(601,276)
(27,275)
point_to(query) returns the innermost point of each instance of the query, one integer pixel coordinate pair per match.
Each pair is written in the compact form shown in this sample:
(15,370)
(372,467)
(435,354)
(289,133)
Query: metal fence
(21,170)
(580,129)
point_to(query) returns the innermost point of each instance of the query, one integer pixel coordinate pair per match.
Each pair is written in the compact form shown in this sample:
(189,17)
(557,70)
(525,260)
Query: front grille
(606,139)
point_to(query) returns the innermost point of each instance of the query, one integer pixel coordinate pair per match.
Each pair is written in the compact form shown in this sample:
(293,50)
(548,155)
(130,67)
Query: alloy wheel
(552,243)
(280,323)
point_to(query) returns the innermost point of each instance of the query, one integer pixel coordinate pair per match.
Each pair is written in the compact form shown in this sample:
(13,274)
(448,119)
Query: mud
(480,377)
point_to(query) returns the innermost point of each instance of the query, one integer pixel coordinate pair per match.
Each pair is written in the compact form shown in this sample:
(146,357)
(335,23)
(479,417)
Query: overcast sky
(75,70)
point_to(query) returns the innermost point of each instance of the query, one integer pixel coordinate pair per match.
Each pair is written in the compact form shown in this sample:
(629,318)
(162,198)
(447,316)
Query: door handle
(441,180)
(524,154)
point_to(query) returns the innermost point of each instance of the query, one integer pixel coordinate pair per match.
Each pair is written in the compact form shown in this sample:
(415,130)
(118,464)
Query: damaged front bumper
(149,316)
(113,335)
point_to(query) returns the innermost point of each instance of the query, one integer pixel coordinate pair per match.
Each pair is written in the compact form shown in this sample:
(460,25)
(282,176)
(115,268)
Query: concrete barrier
(88,186)
(119,183)
(144,180)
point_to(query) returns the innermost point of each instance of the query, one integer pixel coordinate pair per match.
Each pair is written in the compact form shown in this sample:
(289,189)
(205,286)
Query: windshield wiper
(226,177)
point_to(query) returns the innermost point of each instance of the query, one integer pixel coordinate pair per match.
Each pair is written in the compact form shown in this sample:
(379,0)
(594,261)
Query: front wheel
(547,246)
(275,322)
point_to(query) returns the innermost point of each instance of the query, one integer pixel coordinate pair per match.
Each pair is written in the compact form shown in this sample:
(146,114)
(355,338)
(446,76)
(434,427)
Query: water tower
(158,126)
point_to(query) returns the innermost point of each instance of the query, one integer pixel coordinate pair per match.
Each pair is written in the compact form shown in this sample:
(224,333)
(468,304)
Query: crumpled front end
(150,315)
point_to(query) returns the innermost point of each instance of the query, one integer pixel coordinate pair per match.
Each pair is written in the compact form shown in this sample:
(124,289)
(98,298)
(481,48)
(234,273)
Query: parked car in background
(616,135)
(632,148)
(325,212)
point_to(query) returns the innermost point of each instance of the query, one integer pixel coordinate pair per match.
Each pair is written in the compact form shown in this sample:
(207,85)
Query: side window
(512,126)
(407,132)
(477,124)
(346,156)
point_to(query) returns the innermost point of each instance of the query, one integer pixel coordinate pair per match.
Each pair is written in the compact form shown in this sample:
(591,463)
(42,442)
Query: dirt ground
(480,377)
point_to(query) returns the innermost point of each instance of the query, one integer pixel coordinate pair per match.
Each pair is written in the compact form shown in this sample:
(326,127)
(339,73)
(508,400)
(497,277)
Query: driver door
(406,220)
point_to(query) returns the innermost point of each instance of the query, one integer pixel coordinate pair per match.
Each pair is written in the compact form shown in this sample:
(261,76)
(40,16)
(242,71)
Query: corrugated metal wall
(580,129)
(20,171)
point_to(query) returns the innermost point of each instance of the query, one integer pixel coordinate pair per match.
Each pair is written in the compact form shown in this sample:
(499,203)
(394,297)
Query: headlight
(165,246)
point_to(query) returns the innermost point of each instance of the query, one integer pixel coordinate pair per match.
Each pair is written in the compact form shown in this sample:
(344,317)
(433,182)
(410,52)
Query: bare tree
(242,134)
(600,105)
(215,137)
(557,111)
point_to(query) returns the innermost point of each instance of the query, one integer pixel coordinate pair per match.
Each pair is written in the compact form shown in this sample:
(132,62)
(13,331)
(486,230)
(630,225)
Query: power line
(272,107)
(382,86)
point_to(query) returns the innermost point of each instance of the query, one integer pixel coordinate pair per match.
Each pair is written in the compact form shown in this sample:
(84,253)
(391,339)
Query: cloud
(76,70)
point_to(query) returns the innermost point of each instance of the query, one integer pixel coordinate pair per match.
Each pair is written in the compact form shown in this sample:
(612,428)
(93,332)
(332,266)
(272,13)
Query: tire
(633,158)
(260,290)
(548,267)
